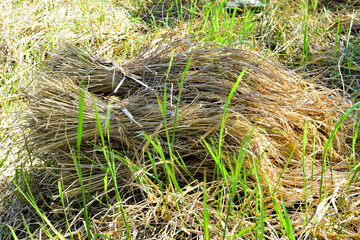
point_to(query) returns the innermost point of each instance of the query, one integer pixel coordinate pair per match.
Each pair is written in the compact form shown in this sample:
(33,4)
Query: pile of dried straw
(274,102)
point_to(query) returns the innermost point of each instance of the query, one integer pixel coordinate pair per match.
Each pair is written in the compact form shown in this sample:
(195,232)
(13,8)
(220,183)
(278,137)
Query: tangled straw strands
(270,103)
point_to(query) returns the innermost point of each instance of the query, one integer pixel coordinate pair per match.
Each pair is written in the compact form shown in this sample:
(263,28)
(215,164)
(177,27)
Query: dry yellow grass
(43,67)
(276,101)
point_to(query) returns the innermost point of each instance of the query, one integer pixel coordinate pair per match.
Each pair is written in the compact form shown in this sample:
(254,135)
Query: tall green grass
(325,158)
(47,226)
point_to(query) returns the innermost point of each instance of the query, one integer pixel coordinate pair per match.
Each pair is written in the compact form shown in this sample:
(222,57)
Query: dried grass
(316,47)
(277,101)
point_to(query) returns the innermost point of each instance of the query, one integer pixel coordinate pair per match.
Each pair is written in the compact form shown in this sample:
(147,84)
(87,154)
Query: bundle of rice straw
(271,104)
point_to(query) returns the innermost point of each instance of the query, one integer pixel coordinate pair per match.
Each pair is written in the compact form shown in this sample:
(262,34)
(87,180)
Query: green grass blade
(112,169)
(77,163)
(63,205)
(42,216)
(260,199)
(328,144)
(304,143)
(12,232)
(205,212)
(223,121)
(178,100)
